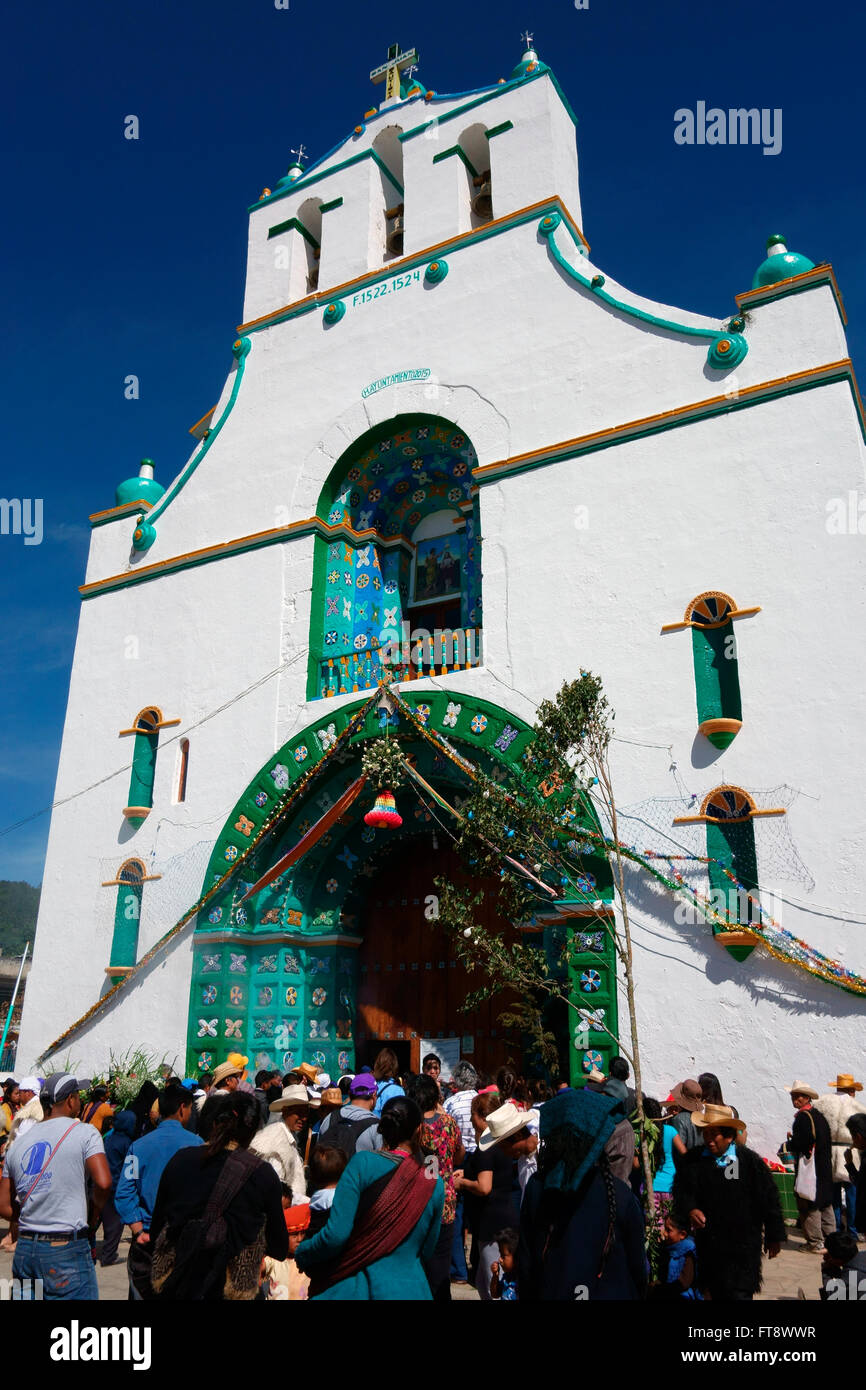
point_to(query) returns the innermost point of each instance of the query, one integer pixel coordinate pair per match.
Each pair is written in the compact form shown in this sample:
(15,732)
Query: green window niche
(146,733)
(731,845)
(127,915)
(378,495)
(714,652)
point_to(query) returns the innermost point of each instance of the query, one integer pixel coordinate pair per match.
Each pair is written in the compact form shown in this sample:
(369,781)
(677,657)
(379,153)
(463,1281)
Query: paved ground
(792,1270)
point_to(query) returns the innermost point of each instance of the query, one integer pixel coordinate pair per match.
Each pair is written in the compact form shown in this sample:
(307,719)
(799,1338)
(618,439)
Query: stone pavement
(792,1270)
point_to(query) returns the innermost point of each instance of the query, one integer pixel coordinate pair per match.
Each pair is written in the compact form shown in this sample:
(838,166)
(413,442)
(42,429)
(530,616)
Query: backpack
(344,1134)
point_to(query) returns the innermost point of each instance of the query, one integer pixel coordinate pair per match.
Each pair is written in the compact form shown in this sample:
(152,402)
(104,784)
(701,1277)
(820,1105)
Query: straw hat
(720,1116)
(800,1088)
(223,1070)
(332,1095)
(596,1077)
(292,1096)
(845,1082)
(309,1071)
(501,1124)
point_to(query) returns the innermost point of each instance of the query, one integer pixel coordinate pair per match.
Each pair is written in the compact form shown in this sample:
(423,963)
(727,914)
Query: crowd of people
(377,1186)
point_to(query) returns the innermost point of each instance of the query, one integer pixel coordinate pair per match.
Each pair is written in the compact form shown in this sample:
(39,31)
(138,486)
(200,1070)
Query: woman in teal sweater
(384,1222)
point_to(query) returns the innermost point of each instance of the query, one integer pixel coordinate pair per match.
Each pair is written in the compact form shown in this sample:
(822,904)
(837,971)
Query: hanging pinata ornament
(383,764)
(384,815)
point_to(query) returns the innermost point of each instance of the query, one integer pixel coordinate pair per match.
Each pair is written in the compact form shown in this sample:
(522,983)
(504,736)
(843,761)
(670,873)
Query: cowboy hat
(800,1088)
(292,1096)
(309,1071)
(501,1124)
(332,1095)
(845,1082)
(720,1117)
(687,1095)
(596,1076)
(224,1070)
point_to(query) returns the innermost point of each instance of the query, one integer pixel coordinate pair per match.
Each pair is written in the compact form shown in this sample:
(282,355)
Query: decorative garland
(278,814)
(783,945)
(383,764)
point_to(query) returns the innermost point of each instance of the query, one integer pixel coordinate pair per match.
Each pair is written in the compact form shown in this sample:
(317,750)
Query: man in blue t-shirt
(142,1169)
(45,1177)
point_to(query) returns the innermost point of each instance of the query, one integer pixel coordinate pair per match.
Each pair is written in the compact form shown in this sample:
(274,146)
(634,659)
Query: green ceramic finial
(142,488)
(780,264)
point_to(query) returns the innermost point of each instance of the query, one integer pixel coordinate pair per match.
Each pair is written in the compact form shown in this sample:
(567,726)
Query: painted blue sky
(128,256)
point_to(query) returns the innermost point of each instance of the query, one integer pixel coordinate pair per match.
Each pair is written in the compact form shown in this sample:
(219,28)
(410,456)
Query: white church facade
(443,417)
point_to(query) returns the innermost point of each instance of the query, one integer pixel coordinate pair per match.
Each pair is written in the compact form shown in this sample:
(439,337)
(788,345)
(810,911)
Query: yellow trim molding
(820,275)
(720,726)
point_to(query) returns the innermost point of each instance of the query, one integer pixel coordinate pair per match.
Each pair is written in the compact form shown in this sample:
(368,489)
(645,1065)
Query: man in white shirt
(45,1176)
(277,1145)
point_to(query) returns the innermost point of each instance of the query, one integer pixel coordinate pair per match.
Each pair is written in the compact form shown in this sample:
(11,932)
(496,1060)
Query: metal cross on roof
(527,38)
(389,72)
(301,152)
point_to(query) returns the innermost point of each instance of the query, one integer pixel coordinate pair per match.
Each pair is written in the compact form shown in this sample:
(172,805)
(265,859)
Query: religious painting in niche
(437,569)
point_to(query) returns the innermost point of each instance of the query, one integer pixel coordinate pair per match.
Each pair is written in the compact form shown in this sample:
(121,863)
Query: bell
(482,203)
(394,239)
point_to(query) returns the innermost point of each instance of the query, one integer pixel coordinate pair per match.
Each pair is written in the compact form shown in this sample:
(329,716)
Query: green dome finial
(142,488)
(530,64)
(781,264)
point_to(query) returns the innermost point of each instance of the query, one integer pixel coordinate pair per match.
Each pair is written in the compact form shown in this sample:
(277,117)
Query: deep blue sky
(128,257)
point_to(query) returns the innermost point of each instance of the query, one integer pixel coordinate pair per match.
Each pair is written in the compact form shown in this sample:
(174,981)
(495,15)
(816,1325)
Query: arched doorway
(277,976)
(411,987)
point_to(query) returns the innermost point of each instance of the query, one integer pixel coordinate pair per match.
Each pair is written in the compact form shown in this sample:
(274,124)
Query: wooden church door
(411,986)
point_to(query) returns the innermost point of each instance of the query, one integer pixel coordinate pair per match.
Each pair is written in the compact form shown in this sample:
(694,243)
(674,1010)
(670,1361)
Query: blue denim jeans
(458,1254)
(66,1270)
(850,1206)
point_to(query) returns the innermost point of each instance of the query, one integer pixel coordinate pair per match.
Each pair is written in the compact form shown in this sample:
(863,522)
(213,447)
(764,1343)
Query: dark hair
(386,1066)
(99,1094)
(857,1124)
(618,1069)
(431,1057)
(506,1080)
(711,1088)
(344,1084)
(677,1219)
(286,1191)
(841,1246)
(539,1091)
(399,1120)
(226,1119)
(293,1078)
(9,1085)
(326,1164)
(425,1093)
(507,1241)
(482,1105)
(171,1099)
(262,1077)
(205,1079)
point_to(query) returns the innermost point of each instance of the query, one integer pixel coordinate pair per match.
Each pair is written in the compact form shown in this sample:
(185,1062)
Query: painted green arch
(270,971)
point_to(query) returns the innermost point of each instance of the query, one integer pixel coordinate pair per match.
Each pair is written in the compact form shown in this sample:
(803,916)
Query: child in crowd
(281,1279)
(679,1265)
(326,1168)
(503,1272)
(843,1269)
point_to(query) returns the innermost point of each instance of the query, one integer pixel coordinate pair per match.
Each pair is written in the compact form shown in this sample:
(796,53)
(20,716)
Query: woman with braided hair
(581,1229)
